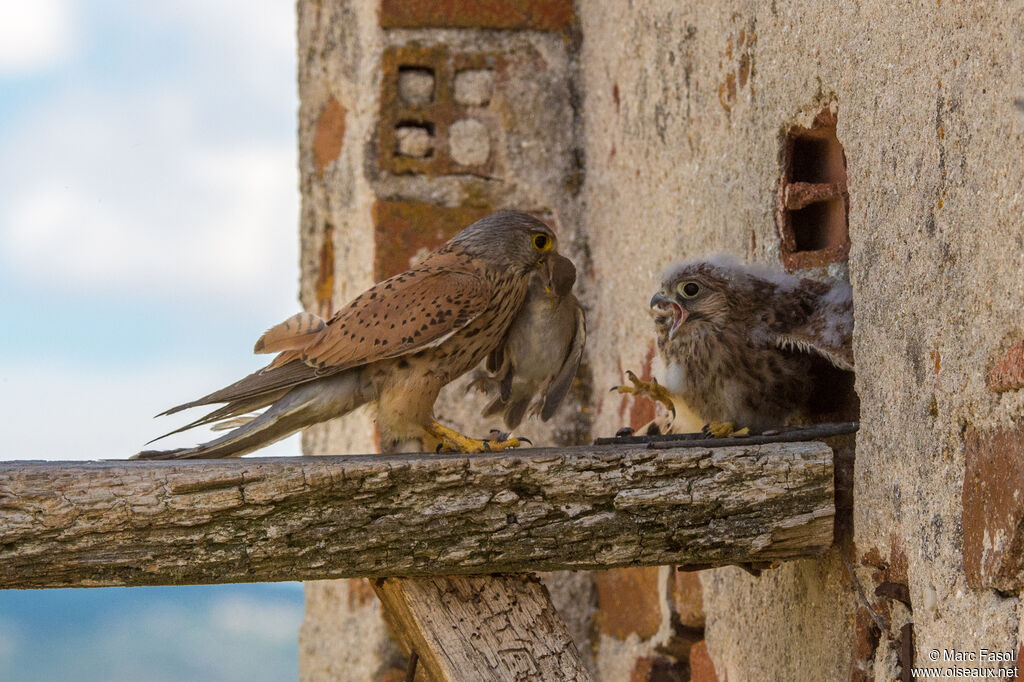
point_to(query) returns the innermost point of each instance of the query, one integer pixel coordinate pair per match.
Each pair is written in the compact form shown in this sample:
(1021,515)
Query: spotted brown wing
(411,311)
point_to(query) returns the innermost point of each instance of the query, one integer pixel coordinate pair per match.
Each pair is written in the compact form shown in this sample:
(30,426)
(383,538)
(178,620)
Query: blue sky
(148,236)
(202,632)
(148,213)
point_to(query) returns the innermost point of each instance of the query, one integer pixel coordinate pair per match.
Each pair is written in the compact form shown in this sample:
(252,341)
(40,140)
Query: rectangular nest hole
(816,160)
(812,205)
(818,226)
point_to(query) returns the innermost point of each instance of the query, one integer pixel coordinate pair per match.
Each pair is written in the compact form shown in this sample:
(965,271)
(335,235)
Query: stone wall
(652,131)
(686,109)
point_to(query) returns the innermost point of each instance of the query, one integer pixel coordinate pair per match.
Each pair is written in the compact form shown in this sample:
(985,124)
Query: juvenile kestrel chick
(397,344)
(752,346)
(542,349)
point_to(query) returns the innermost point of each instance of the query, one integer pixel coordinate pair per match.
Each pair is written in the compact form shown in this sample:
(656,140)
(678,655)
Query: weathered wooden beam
(500,628)
(65,524)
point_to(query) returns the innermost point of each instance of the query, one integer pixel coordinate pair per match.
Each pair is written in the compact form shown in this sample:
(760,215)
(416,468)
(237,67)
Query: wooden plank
(499,628)
(65,524)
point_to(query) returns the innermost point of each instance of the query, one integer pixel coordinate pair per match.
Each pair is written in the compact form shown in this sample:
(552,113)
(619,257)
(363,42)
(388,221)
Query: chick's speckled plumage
(396,344)
(542,349)
(755,346)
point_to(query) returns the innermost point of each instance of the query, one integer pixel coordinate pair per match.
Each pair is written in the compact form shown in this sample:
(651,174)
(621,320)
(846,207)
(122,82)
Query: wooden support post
(500,627)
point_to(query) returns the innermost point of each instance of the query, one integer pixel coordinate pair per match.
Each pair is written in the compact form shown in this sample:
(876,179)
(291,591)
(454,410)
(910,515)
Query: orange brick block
(406,230)
(536,15)
(993,509)
(702,668)
(627,602)
(688,598)
(329,136)
(1008,373)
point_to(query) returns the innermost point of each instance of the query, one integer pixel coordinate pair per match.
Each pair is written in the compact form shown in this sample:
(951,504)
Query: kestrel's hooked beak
(662,302)
(548,269)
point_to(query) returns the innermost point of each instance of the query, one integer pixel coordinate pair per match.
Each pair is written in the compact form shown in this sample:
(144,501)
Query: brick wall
(647,132)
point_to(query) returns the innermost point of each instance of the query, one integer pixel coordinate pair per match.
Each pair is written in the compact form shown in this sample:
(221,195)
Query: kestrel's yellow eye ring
(688,289)
(542,242)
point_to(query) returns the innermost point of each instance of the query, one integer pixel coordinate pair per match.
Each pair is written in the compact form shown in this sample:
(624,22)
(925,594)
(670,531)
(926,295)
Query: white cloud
(141,203)
(34,35)
(238,234)
(74,413)
(163,175)
(254,39)
(180,186)
(258,619)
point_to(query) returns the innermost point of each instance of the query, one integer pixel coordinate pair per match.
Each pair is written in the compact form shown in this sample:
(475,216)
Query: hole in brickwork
(813,203)
(473,87)
(415,85)
(414,139)
(816,160)
(433,119)
(818,225)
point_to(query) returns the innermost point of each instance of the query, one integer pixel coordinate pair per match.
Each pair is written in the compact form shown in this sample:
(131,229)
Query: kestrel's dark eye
(541,241)
(688,289)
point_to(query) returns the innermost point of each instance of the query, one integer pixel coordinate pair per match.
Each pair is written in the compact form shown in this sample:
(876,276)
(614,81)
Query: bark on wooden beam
(500,628)
(65,524)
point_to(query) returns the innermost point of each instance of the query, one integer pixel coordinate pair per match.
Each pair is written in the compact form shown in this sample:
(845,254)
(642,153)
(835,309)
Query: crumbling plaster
(682,160)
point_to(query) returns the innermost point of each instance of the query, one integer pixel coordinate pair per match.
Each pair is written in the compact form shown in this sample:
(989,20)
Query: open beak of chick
(662,303)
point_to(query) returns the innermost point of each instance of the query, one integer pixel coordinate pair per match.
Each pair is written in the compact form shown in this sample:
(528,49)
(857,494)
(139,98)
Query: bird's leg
(724,430)
(453,441)
(652,389)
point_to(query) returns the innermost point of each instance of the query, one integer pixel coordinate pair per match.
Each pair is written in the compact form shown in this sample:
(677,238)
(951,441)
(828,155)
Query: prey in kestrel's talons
(752,347)
(396,345)
(542,350)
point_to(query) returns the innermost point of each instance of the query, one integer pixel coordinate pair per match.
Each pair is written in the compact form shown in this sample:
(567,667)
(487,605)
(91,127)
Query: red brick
(817,145)
(1008,373)
(891,575)
(404,229)
(659,669)
(993,509)
(329,136)
(392,675)
(538,15)
(688,598)
(360,593)
(627,602)
(702,668)
(865,642)
(898,563)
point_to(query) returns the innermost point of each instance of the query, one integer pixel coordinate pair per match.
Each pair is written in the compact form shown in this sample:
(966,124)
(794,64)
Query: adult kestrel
(751,346)
(397,344)
(542,350)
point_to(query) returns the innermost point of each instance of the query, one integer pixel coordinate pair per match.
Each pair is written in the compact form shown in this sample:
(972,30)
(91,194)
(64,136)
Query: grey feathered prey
(542,350)
(396,345)
(753,346)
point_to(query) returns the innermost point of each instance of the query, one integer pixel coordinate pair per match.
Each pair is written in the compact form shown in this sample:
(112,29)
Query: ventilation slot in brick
(435,117)
(813,203)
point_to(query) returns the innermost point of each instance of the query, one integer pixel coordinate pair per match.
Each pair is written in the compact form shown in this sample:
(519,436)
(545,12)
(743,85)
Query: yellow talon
(453,441)
(652,389)
(724,430)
